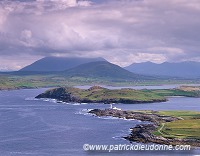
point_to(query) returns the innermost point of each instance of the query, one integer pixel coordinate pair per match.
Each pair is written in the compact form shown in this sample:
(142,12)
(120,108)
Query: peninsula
(164,127)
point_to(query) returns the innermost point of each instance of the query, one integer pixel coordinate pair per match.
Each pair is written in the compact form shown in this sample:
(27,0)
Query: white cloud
(3,15)
(122,31)
(84,3)
(139,57)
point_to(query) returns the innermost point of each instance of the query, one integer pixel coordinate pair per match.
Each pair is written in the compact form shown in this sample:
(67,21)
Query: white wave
(48,100)
(61,102)
(85,112)
(115,118)
(120,137)
(117,137)
(31,99)
(76,104)
(108,117)
(129,119)
(84,103)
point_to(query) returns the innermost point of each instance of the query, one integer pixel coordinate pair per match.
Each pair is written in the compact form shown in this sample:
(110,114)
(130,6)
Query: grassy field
(126,94)
(187,127)
(177,92)
(38,81)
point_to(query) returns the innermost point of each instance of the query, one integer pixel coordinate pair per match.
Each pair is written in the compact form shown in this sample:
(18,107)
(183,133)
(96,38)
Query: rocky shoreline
(144,132)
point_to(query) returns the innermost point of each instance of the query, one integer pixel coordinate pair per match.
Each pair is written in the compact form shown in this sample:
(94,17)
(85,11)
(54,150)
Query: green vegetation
(177,92)
(181,114)
(187,91)
(182,129)
(126,94)
(38,81)
(187,127)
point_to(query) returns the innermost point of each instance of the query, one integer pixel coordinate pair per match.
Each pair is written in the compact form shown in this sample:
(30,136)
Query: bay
(44,127)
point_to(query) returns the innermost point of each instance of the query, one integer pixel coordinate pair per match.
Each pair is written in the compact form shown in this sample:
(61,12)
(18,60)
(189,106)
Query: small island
(97,94)
(164,127)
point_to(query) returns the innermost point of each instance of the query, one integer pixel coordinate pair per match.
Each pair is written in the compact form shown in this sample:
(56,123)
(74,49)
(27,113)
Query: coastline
(144,133)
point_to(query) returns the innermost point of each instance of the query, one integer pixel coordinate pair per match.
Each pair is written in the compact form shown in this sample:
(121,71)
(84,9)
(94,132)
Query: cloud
(122,31)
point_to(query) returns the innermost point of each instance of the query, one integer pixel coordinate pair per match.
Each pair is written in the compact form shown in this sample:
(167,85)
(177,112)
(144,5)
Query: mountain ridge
(49,64)
(187,69)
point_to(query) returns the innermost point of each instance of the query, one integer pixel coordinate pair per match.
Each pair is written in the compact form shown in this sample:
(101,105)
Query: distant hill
(182,69)
(104,70)
(49,64)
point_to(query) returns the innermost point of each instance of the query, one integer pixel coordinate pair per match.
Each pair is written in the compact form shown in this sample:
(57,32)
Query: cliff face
(61,94)
(97,94)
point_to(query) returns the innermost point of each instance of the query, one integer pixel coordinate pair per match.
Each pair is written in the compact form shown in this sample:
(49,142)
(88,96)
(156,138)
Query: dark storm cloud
(122,31)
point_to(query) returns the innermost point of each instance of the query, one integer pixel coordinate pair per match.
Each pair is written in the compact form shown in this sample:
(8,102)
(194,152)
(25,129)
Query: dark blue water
(41,128)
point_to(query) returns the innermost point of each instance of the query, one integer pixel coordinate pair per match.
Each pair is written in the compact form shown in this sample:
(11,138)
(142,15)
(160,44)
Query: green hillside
(104,70)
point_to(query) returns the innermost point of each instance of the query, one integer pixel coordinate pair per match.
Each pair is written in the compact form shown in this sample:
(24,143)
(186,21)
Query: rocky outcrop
(155,118)
(61,94)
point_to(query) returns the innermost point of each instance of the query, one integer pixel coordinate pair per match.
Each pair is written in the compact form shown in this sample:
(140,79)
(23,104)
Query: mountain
(103,70)
(181,69)
(49,64)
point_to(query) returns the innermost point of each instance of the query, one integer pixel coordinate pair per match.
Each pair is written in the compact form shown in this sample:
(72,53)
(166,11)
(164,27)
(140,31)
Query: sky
(121,31)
